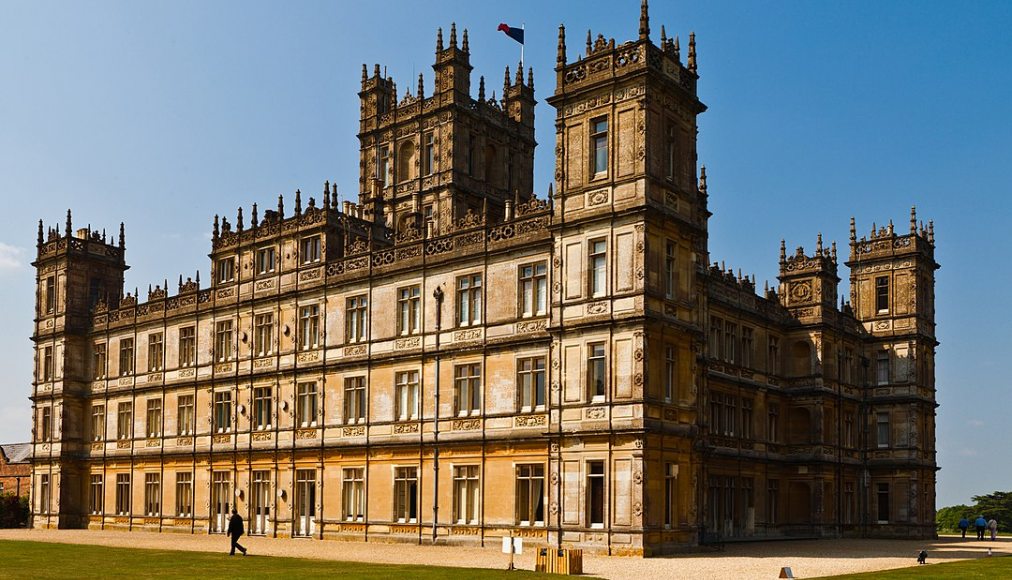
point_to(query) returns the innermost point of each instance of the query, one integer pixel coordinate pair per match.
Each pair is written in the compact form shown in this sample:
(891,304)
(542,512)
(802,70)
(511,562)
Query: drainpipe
(438,295)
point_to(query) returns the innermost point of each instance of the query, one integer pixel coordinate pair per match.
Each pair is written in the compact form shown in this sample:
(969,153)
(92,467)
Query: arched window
(405,161)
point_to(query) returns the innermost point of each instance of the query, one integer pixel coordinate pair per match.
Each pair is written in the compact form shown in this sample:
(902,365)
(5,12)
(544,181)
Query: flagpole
(523,26)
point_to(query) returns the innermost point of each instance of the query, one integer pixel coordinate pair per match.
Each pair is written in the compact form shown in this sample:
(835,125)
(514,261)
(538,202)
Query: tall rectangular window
(383,171)
(848,502)
(226,270)
(773,422)
(409,309)
(126,356)
(882,428)
(45,493)
(595,494)
(223,411)
(354,400)
(263,334)
(599,146)
(187,346)
(98,361)
(731,342)
(848,430)
(428,154)
(96,494)
(470,154)
(47,424)
(124,421)
(353,494)
(184,494)
(97,422)
(465,494)
(406,391)
(156,352)
(773,355)
(154,418)
(596,369)
(716,340)
(530,494)
(469,300)
(882,490)
(122,494)
(47,363)
(670,494)
(882,367)
(746,418)
(882,294)
(356,318)
(406,494)
(671,151)
(262,407)
(467,389)
(772,501)
(531,383)
(265,260)
(598,267)
(747,346)
(260,502)
(670,373)
(533,289)
(309,325)
(50,295)
(184,416)
(223,341)
(305,410)
(309,250)
(670,270)
(152,494)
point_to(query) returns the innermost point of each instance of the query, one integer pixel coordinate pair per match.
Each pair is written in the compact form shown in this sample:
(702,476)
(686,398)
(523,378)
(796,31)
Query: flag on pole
(516,34)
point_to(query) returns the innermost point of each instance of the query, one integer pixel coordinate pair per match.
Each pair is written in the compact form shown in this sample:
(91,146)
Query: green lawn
(981,568)
(47,560)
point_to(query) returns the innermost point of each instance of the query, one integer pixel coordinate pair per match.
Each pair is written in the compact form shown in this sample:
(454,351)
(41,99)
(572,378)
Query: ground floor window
(96,493)
(531,494)
(122,494)
(883,503)
(465,494)
(406,494)
(44,493)
(152,494)
(353,494)
(595,493)
(184,494)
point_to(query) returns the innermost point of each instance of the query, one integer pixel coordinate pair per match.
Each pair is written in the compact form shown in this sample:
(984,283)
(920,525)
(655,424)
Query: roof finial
(833,251)
(853,230)
(481,88)
(505,82)
(818,245)
(180,288)
(551,191)
(588,42)
(664,38)
(453,35)
(560,54)
(421,86)
(215,232)
(41,238)
(463,45)
(692,51)
(238,220)
(678,50)
(702,179)
(122,237)
(376,70)
(931,231)
(892,232)
(644,21)
(69,227)
(520,74)
(913,219)
(326,194)
(254,221)
(298,202)
(365,73)
(530,78)
(281,206)
(439,40)
(783,251)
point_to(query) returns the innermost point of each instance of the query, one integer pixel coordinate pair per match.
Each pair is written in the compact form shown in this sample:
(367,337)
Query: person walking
(235,529)
(963,525)
(993,527)
(980,525)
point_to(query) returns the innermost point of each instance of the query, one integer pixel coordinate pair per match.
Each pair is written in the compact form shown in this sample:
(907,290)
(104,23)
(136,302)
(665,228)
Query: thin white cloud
(11,257)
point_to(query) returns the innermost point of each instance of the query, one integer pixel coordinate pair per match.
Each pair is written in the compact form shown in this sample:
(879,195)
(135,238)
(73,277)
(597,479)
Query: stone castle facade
(453,358)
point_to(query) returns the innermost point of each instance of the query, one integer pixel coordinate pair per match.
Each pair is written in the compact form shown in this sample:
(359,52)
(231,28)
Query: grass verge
(999,567)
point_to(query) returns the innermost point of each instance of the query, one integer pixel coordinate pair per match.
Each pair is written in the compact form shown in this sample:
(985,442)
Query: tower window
(599,145)
(383,166)
(50,295)
(429,156)
(882,294)
(671,151)
(405,160)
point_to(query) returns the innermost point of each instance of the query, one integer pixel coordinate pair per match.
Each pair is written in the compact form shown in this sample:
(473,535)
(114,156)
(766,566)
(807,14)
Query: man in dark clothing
(963,525)
(235,529)
(981,525)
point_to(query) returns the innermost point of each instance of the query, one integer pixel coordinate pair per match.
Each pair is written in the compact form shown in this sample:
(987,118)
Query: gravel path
(760,560)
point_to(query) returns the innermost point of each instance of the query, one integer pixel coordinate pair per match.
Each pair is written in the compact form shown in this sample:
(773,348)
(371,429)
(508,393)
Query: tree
(997,505)
(947,518)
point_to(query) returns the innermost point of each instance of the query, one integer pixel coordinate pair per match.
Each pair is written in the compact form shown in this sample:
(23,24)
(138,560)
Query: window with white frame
(469,300)
(223,411)
(223,341)
(226,270)
(309,250)
(126,356)
(306,406)
(124,421)
(599,146)
(354,400)
(356,318)
(406,494)
(97,422)
(467,389)
(598,267)
(122,494)
(263,334)
(406,392)
(263,407)
(154,418)
(353,494)
(309,326)
(465,494)
(98,361)
(184,415)
(533,289)
(530,494)
(96,494)
(596,369)
(187,346)
(409,309)
(265,260)
(156,352)
(152,494)
(531,383)
(595,494)
(184,494)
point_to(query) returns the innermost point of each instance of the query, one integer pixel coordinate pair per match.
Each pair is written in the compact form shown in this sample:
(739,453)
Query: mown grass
(998,567)
(20,559)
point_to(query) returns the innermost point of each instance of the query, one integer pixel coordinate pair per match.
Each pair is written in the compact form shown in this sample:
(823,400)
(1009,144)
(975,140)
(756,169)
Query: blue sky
(163,114)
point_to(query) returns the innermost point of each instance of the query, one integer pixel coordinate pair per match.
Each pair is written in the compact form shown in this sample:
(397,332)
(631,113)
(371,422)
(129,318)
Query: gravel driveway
(760,560)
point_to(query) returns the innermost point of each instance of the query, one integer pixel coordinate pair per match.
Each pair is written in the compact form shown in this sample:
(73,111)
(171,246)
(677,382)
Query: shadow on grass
(25,559)
(975,569)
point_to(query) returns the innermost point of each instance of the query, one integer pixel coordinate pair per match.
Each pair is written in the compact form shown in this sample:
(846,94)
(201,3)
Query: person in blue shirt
(980,525)
(963,525)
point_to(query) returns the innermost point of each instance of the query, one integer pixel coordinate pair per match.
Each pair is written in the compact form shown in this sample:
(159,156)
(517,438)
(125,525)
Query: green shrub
(13,511)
